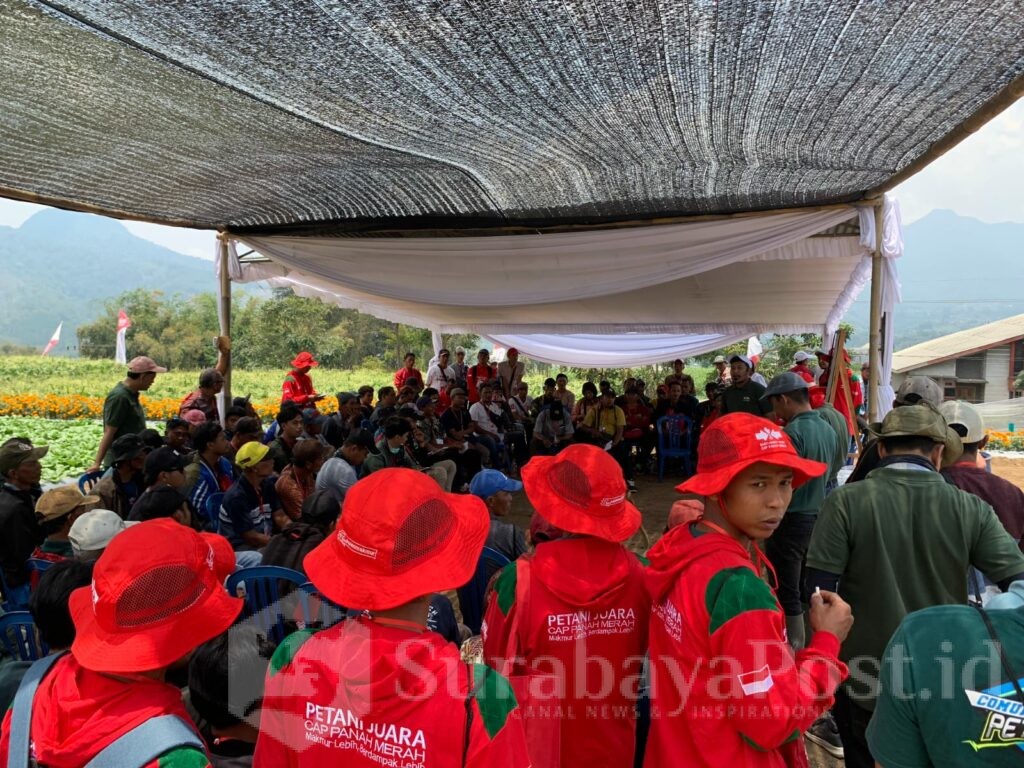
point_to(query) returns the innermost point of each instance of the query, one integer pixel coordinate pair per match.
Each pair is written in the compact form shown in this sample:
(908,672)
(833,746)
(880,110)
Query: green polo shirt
(123,410)
(902,540)
(929,718)
(813,439)
(745,399)
(837,422)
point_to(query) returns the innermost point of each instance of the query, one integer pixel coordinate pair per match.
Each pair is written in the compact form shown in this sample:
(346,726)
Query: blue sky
(981,177)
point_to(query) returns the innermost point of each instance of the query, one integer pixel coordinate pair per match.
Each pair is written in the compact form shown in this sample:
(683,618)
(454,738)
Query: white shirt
(482,416)
(436,377)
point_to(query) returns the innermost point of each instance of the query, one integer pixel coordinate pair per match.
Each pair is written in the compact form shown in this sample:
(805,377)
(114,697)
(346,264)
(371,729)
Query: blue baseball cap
(490,481)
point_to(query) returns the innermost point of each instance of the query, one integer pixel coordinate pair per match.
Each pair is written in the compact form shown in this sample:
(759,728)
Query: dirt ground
(654,499)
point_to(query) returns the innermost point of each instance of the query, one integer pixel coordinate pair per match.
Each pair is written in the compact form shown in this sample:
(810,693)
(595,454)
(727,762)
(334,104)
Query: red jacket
(856,395)
(804,372)
(76,713)
(585,600)
(298,388)
(403,374)
(725,687)
(475,376)
(364,695)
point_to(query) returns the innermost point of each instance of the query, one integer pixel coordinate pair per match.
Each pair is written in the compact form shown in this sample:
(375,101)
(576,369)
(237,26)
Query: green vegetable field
(72,443)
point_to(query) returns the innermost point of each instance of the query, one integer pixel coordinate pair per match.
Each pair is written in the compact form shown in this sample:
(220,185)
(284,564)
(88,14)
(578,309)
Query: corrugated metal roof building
(978,365)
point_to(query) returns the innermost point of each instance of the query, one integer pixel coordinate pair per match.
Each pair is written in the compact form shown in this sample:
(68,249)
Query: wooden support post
(224,315)
(875,333)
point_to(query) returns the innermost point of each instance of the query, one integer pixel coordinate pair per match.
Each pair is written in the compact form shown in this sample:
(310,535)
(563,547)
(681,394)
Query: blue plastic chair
(675,441)
(20,638)
(317,610)
(472,595)
(268,599)
(88,480)
(211,510)
(13,599)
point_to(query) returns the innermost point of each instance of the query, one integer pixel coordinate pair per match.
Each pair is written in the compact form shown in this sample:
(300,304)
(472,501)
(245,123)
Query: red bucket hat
(399,537)
(734,442)
(157,592)
(304,360)
(581,490)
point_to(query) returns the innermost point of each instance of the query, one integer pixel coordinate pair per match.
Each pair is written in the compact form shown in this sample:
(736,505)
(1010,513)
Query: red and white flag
(121,351)
(54,340)
(754,349)
(759,681)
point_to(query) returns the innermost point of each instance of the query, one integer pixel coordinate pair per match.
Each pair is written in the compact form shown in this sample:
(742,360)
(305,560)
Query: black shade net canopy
(449,116)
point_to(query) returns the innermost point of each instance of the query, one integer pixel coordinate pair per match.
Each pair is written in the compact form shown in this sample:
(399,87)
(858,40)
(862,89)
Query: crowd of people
(782,601)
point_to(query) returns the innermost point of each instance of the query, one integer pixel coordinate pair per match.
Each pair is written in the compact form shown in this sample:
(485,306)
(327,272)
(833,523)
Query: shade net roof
(303,116)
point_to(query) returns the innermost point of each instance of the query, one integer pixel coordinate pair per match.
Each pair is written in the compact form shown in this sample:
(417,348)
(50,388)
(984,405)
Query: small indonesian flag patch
(759,681)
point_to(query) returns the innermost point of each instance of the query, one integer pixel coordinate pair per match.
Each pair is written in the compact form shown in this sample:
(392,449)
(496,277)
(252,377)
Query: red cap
(157,593)
(581,490)
(734,442)
(304,360)
(399,537)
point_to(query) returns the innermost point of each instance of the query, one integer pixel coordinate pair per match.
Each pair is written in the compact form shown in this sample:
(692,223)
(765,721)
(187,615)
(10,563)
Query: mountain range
(957,272)
(61,266)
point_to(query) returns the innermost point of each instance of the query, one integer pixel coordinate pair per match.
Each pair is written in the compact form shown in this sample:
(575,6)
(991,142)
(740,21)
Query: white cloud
(980,177)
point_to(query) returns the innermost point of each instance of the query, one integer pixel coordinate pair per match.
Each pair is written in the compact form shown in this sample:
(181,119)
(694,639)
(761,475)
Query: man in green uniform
(122,412)
(786,549)
(948,698)
(901,540)
(744,395)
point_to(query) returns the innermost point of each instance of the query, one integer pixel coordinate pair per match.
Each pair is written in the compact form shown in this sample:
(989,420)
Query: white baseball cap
(801,357)
(93,531)
(967,416)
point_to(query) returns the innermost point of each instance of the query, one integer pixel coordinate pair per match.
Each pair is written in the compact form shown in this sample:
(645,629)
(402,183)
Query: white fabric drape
(613,351)
(730,277)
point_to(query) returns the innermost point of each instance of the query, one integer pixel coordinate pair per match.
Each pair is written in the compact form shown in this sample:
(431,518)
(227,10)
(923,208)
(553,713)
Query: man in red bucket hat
(297,386)
(578,608)
(157,594)
(380,689)
(726,689)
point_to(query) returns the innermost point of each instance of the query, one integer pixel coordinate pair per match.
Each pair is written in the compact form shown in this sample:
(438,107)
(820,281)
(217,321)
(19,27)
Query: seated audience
(604,426)
(552,431)
(247,430)
(152,440)
(567,398)
(397,432)
(488,429)
(231,417)
(164,466)
(317,519)
(156,594)
(210,471)
(340,472)
(49,608)
(162,502)
(93,531)
(387,399)
(289,430)
(176,433)
(248,509)
(586,404)
(365,393)
(637,433)
(495,489)
(56,511)
(297,481)
(124,482)
(340,424)
(510,373)
(225,688)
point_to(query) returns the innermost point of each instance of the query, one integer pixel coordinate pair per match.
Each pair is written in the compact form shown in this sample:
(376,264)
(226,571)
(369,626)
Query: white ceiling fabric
(616,297)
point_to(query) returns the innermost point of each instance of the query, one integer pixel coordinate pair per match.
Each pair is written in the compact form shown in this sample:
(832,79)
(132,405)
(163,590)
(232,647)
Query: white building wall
(997,372)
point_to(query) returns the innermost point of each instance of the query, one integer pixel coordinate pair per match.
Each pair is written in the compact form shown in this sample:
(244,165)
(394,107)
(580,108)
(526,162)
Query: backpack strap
(147,742)
(1007,667)
(18,744)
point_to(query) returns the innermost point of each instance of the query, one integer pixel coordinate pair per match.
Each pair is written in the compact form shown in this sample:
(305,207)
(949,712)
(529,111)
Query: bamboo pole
(875,327)
(224,291)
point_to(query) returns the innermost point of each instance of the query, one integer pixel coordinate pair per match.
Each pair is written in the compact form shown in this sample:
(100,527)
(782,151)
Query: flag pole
(224,313)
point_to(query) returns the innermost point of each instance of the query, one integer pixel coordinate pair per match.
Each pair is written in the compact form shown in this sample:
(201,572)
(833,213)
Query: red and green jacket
(76,713)
(365,694)
(298,388)
(726,689)
(581,612)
